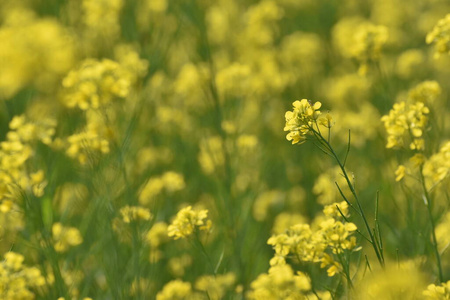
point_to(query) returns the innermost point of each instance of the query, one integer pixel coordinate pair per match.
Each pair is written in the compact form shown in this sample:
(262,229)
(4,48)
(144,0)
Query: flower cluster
(406,121)
(94,87)
(175,290)
(280,283)
(101,18)
(436,169)
(301,120)
(16,280)
(187,221)
(95,84)
(135,213)
(65,237)
(169,182)
(440,36)
(33,52)
(426,92)
(215,287)
(403,280)
(17,150)
(155,237)
(369,40)
(438,292)
(332,237)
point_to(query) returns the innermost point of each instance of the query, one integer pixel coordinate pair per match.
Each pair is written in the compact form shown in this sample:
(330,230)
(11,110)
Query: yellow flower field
(206,150)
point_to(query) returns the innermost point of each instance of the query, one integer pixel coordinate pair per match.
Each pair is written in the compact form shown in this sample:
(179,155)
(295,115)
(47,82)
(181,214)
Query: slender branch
(355,196)
(348,148)
(348,221)
(427,200)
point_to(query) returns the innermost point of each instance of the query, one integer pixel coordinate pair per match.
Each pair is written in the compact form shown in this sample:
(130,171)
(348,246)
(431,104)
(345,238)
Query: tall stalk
(428,204)
(376,244)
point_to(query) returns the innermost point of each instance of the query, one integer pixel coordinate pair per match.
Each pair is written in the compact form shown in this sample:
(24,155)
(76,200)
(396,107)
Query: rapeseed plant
(142,154)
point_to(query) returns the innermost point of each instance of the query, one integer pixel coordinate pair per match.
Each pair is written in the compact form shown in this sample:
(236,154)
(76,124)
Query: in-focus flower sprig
(303,121)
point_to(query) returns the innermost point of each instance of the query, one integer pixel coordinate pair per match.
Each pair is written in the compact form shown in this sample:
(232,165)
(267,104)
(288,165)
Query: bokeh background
(117,114)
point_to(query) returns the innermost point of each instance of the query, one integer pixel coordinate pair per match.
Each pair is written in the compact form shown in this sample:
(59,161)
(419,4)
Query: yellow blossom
(175,290)
(65,237)
(135,213)
(187,221)
(280,283)
(300,121)
(438,292)
(440,36)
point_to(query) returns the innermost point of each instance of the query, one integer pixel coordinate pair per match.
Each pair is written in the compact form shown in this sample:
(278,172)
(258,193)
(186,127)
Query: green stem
(427,200)
(353,191)
(199,244)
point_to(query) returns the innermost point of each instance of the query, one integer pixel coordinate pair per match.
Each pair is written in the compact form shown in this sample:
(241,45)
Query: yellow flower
(16,280)
(135,213)
(215,286)
(280,283)
(438,292)
(65,237)
(299,122)
(333,211)
(175,290)
(440,36)
(187,221)
(406,121)
(400,173)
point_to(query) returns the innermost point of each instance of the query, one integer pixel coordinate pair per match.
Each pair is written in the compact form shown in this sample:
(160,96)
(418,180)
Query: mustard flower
(215,286)
(16,280)
(333,266)
(169,182)
(438,292)
(437,168)
(34,51)
(280,283)
(426,92)
(300,241)
(406,121)
(369,40)
(65,237)
(135,213)
(399,280)
(187,221)
(333,211)
(175,290)
(102,18)
(96,84)
(299,122)
(336,235)
(440,36)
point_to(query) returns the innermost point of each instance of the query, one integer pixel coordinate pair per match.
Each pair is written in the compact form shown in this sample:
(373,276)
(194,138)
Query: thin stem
(346,270)
(200,246)
(352,189)
(348,221)
(377,224)
(427,200)
(368,263)
(348,148)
